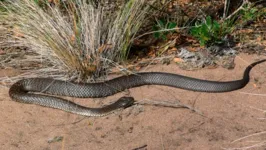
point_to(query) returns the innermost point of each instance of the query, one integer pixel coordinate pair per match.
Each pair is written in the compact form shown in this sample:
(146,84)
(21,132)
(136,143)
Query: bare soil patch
(226,118)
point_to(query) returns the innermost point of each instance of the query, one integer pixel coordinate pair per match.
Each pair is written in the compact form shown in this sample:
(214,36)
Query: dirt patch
(226,118)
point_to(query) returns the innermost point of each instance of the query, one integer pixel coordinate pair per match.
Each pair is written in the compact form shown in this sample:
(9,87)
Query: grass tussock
(83,41)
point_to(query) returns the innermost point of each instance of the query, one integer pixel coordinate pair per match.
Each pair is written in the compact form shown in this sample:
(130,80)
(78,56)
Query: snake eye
(125,101)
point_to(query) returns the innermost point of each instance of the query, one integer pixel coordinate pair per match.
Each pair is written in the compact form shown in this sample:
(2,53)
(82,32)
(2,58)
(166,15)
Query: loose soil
(224,118)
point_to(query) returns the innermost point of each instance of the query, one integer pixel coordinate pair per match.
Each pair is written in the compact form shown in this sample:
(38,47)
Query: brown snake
(25,90)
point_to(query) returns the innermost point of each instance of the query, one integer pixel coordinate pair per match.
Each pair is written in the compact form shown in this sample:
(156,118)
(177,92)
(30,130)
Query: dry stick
(240,8)
(72,123)
(141,147)
(63,143)
(253,94)
(161,138)
(258,109)
(168,104)
(260,144)
(163,30)
(248,136)
(226,7)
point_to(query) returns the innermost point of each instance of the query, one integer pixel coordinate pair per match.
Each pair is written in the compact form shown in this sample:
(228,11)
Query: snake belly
(28,90)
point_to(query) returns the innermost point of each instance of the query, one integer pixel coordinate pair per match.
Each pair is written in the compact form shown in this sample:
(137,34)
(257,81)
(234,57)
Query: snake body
(25,90)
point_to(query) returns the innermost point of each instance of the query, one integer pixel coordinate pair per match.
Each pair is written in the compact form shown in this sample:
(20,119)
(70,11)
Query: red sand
(226,117)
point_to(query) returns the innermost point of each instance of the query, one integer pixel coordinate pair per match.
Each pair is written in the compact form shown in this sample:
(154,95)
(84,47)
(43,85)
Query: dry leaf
(173,49)
(56,2)
(17,33)
(137,68)
(72,38)
(178,60)
(255,85)
(105,47)
(130,67)
(2,52)
(259,39)
(91,68)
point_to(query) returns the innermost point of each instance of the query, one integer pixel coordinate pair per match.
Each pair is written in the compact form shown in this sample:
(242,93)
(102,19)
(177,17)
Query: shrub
(210,32)
(85,40)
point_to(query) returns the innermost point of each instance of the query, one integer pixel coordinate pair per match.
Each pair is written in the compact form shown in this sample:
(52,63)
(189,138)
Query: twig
(141,147)
(168,104)
(240,8)
(248,136)
(260,144)
(261,118)
(163,30)
(252,94)
(161,137)
(258,109)
(226,7)
(72,123)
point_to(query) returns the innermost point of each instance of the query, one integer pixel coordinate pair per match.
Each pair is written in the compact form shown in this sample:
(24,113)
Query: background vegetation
(86,39)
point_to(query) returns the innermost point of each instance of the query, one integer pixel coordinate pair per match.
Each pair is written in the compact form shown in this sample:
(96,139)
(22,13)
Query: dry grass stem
(253,94)
(162,103)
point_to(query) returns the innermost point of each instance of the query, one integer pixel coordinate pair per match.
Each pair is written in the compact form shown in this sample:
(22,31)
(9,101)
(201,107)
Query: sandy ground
(226,118)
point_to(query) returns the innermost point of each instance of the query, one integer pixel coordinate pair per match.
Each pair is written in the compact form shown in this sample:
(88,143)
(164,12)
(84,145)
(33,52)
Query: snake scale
(25,90)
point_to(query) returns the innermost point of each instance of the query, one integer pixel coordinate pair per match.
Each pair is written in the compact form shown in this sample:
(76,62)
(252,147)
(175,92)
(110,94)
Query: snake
(40,91)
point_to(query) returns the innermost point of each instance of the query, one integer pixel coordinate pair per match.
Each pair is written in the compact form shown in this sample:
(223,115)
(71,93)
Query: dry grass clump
(83,40)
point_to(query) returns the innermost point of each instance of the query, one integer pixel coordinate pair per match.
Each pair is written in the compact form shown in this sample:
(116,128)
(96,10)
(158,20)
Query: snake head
(125,102)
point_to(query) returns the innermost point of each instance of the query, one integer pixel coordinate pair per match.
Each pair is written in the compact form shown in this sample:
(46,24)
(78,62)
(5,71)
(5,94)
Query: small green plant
(2,8)
(210,32)
(41,3)
(250,13)
(163,25)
